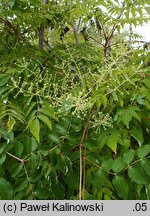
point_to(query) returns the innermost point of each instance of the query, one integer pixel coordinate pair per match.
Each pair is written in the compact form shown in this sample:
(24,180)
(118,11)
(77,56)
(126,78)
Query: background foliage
(74,100)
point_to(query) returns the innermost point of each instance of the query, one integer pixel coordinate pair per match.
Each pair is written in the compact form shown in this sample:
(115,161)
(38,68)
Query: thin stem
(100,167)
(79,23)
(84,170)
(28,179)
(23,163)
(81,165)
(108,40)
(42,31)
(84,162)
(117,87)
(15,157)
(146,191)
(75,31)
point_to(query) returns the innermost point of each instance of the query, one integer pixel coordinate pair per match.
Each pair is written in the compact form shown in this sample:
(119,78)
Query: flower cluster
(78,104)
(101,119)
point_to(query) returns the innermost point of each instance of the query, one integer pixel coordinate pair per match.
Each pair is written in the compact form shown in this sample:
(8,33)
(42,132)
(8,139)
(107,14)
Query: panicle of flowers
(101,119)
(78,104)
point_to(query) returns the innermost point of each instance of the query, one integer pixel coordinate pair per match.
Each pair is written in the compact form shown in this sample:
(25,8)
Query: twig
(96,40)
(81,165)
(111,173)
(75,32)
(9,24)
(15,157)
(42,31)
(84,170)
(109,39)
(28,179)
(79,23)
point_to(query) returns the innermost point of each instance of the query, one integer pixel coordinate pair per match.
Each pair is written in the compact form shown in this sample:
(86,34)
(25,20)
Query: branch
(9,24)
(79,23)
(13,156)
(96,40)
(81,165)
(75,31)
(109,39)
(42,32)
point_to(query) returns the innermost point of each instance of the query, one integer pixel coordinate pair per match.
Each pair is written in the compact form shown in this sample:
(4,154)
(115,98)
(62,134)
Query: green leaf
(107,164)
(53,176)
(54,138)
(3,111)
(102,100)
(42,193)
(113,138)
(61,129)
(2,171)
(143,151)
(128,156)
(16,169)
(48,110)
(19,149)
(72,181)
(147,9)
(145,164)
(137,175)
(33,144)
(10,124)
(99,179)
(102,137)
(118,165)
(3,79)
(112,144)
(20,185)
(137,133)
(6,192)
(29,108)
(2,158)
(125,115)
(63,164)
(19,196)
(146,81)
(3,89)
(46,120)
(59,191)
(2,146)
(134,112)
(121,186)
(9,136)
(54,158)
(34,126)
(16,112)
(33,161)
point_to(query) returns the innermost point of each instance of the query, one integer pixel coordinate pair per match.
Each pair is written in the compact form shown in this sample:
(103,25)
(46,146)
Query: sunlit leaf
(46,120)
(11,122)
(34,126)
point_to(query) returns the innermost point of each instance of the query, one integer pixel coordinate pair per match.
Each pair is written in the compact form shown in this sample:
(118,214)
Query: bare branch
(42,31)
(75,31)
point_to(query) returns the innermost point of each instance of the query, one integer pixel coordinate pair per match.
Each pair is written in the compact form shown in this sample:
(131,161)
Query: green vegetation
(74,100)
